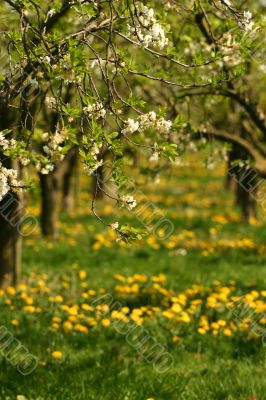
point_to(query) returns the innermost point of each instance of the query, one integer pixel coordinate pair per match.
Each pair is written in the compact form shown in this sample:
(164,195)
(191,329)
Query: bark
(49,206)
(246,199)
(246,193)
(10,214)
(54,186)
(230,181)
(69,176)
(246,181)
(10,239)
(98,183)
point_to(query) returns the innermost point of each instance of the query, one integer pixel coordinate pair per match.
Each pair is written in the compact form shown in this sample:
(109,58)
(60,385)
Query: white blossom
(246,22)
(150,120)
(95,110)
(51,12)
(131,126)
(154,156)
(47,169)
(3,142)
(95,150)
(147,121)
(147,29)
(8,181)
(97,62)
(24,160)
(50,101)
(164,126)
(94,167)
(6,143)
(227,3)
(129,201)
(47,59)
(114,226)
(52,147)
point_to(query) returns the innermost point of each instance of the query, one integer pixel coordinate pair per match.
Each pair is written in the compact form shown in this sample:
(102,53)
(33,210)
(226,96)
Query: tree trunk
(49,206)
(246,191)
(10,239)
(71,166)
(230,182)
(52,186)
(245,184)
(10,214)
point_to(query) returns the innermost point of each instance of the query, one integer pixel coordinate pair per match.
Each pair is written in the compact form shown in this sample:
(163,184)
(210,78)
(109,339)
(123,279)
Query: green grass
(102,365)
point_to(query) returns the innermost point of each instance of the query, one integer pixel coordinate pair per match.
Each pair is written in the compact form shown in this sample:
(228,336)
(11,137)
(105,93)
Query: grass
(102,365)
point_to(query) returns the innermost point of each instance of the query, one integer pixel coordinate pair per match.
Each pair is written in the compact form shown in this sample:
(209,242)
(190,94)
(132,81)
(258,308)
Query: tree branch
(259,159)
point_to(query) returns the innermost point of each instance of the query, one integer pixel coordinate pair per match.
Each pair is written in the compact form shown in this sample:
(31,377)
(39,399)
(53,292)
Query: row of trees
(106,78)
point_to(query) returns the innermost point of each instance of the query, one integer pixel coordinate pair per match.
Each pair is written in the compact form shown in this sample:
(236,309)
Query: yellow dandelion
(86,307)
(67,326)
(57,354)
(82,274)
(81,328)
(221,322)
(176,339)
(105,322)
(57,319)
(11,290)
(227,332)
(202,331)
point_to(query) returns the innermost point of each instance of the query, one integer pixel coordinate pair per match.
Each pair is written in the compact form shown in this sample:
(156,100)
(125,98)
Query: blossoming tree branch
(74,73)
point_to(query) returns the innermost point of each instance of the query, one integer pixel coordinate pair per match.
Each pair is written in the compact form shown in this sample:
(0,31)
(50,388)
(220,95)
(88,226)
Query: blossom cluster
(128,201)
(8,177)
(5,143)
(147,28)
(53,150)
(246,23)
(95,110)
(95,161)
(51,102)
(9,144)
(8,180)
(147,121)
(44,169)
(150,120)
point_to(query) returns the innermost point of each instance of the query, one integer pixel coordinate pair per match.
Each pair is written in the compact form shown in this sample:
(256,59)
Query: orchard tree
(107,53)
(233,113)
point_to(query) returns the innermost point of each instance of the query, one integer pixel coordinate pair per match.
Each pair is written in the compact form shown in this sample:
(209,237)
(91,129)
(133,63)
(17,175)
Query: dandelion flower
(57,355)
(105,322)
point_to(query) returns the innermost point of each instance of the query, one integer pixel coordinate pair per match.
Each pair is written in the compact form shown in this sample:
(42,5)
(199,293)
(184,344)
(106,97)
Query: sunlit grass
(211,258)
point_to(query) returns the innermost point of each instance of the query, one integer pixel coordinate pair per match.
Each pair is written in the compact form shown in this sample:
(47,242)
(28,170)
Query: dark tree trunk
(10,214)
(246,192)
(230,182)
(71,166)
(49,206)
(10,239)
(245,184)
(54,186)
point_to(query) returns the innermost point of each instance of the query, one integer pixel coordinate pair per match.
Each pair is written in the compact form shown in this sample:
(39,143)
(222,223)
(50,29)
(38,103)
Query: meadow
(200,295)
